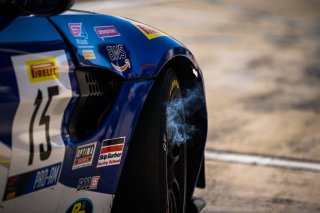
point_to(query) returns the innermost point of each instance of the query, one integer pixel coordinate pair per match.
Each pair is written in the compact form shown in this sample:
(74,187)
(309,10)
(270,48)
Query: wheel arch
(137,153)
(190,77)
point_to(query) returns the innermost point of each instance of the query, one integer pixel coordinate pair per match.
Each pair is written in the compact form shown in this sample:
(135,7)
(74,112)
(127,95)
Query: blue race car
(97,113)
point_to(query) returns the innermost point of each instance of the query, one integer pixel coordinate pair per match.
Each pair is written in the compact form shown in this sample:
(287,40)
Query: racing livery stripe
(111,149)
(32,181)
(113,141)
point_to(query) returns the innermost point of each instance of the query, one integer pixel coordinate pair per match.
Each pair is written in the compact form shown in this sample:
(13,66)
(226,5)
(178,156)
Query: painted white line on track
(262,160)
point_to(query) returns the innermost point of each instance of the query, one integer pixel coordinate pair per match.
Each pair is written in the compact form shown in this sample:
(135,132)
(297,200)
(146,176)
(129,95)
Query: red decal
(147,29)
(106,31)
(94,182)
(111,149)
(75,29)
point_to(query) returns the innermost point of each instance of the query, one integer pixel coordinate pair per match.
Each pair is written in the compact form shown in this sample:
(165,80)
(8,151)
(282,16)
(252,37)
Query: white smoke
(179,131)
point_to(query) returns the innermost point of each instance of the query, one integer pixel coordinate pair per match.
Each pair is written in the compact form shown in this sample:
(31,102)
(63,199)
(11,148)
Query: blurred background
(261,64)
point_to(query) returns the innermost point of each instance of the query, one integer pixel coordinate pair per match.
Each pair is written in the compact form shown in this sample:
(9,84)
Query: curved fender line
(172,53)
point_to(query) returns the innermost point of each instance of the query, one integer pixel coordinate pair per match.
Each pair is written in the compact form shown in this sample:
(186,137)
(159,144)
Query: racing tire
(154,175)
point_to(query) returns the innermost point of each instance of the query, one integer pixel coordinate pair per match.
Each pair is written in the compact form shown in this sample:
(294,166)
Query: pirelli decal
(149,32)
(42,70)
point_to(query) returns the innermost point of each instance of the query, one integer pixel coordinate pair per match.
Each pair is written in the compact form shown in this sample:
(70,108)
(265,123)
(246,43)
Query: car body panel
(41,168)
(27,111)
(119,123)
(144,48)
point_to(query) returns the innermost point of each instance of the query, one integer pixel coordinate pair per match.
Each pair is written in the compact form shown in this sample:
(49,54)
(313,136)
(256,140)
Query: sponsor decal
(122,68)
(118,57)
(78,31)
(84,156)
(82,205)
(111,152)
(88,54)
(42,70)
(82,41)
(149,32)
(106,31)
(88,183)
(32,181)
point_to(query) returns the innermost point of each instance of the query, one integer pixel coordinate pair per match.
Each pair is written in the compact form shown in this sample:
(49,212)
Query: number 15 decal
(44,120)
(45,90)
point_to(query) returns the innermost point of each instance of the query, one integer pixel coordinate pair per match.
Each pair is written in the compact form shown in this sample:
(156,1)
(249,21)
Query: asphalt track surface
(261,64)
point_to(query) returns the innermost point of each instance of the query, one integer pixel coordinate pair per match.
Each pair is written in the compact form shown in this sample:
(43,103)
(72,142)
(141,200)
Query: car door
(35,91)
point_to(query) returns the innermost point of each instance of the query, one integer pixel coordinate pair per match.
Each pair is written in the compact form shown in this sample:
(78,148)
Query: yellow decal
(174,84)
(77,208)
(42,70)
(88,54)
(149,32)
(11,195)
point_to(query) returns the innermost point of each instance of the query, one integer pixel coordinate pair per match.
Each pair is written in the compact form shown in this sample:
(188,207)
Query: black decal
(45,120)
(37,104)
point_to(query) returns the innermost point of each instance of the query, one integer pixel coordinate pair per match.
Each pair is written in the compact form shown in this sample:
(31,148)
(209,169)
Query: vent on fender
(98,90)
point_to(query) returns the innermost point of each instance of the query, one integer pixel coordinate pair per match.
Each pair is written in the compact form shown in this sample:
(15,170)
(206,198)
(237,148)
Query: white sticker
(84,156)
(45,91)
(111,152)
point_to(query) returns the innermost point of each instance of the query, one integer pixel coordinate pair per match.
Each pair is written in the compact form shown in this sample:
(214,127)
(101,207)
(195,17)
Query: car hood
(126,47)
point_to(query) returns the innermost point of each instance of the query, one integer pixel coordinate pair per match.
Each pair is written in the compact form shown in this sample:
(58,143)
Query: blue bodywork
(26,34)
(147,56)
